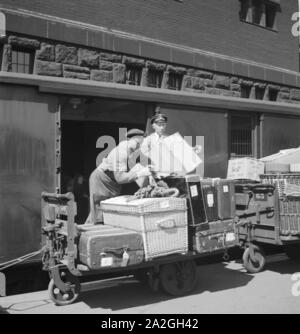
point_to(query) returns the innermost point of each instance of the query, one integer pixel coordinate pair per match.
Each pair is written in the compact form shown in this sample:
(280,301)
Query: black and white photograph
(149,159)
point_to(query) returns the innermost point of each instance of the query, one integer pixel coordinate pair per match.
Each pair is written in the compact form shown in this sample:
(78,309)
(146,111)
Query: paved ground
(222,288)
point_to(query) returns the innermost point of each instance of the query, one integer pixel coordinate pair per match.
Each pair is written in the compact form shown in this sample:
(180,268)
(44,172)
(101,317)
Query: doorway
(87,128)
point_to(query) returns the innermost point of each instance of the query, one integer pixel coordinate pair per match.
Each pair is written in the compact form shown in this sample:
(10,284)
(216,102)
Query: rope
(159,189)
(18,260)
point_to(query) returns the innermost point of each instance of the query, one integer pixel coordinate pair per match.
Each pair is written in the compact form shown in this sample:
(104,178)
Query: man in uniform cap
(107,179)
(159,124)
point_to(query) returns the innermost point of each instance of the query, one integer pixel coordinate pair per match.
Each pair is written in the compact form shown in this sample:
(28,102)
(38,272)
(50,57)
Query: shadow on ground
(132,293)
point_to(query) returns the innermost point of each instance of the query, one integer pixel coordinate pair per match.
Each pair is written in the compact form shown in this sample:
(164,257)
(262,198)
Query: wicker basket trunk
(161,221)
(288,187)
(290,216)
(283,182)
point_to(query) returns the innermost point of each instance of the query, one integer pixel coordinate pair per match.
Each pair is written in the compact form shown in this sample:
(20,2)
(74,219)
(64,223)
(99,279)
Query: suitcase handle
(115,251)
(263,188)
(166,224)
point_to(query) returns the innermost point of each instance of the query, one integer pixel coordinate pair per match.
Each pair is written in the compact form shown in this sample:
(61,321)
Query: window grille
(155,78)
(175,81)
(241,137)
(133,75)
(22,61)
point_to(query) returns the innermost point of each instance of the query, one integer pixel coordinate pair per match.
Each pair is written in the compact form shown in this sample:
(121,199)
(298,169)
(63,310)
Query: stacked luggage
(211,204)
(200,220)
(103,246)
(135,230)
(162,222)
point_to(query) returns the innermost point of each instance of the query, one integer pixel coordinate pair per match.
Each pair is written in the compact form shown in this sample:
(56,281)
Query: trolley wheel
(177,279)
(64,298)
(293,251)
(256,264)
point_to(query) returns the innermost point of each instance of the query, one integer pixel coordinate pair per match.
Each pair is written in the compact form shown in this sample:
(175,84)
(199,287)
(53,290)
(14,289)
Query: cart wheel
(256,264)
(68,297)
(293,251)
(177,279)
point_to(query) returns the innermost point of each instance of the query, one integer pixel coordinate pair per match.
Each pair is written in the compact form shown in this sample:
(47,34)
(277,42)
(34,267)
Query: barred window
(241,136)
(133,75)
(155,78)
(175,81)
(22,61)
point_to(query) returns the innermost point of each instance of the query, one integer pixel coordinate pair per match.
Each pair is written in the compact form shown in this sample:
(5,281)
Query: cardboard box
(245,168)
(174,155)
(288,156)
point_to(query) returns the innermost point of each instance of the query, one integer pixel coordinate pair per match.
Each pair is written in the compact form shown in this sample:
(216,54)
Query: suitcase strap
(118,252)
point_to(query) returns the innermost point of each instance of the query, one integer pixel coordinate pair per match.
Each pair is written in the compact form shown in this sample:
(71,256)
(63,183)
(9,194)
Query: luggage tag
(125,258)
(194,191)
(210,200)
(106,262)
(225,189)
(164,204)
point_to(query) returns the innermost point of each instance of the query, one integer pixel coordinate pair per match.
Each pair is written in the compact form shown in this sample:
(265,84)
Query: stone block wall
(75,62)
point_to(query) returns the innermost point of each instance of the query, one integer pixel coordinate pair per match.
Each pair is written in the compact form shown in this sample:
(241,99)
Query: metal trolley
(266,216)
(176,274)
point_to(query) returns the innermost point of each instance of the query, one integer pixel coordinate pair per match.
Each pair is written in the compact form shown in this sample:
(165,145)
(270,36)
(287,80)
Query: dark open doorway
(82,125)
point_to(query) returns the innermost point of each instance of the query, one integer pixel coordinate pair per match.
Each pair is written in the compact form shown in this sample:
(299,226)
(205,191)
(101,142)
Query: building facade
(73,71)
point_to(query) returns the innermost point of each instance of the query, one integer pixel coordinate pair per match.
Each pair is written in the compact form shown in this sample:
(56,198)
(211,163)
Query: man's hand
(197,149)
(151,168)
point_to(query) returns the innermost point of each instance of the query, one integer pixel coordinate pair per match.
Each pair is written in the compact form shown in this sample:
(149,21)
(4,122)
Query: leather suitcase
(256,202)
(110,247)
(216,236)
(226,199)
(210,198)
(190,187)
(196,200)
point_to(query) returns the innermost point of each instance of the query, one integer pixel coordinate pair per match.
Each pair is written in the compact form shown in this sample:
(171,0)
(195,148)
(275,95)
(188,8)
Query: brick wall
(212,25)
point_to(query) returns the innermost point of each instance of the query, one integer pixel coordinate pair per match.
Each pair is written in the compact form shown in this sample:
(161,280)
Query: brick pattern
(211,25)
(75,62)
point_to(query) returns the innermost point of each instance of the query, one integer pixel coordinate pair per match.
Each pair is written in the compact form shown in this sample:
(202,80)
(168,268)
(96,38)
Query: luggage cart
(263,218)
(176,274)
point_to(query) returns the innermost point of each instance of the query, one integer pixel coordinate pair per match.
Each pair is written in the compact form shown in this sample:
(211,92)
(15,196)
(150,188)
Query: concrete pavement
(222,288)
